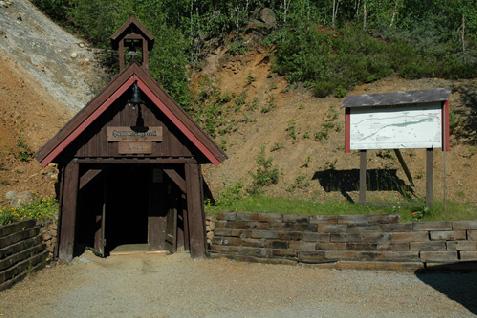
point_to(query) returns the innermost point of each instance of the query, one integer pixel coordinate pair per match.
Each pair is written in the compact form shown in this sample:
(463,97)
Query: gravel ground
(177,286)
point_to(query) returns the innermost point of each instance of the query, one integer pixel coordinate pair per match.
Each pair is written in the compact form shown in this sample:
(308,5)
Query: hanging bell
(136,96)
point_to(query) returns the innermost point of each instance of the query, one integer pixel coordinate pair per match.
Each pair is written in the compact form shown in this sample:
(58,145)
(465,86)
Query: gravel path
(177,286)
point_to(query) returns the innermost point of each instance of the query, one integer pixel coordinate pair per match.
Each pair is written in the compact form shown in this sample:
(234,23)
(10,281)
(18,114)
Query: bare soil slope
(31,115)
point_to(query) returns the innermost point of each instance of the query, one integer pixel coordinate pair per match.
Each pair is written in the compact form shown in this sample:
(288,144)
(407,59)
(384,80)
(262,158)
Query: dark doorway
(127,204)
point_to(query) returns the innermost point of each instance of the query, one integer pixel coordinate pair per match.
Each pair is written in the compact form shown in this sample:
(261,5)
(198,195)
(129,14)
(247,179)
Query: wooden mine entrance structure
(129,163)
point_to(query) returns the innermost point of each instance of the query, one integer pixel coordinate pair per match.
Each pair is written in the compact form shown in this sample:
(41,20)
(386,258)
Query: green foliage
(238,47)
(292,130)
(269,105)
(330,54)
(230,194)
(41,209)
(276,146)
(262,203)
(301,183)
(25,154)
(265,175)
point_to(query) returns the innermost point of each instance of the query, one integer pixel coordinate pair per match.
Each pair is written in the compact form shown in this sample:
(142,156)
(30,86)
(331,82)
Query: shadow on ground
(458,286)
(348,180)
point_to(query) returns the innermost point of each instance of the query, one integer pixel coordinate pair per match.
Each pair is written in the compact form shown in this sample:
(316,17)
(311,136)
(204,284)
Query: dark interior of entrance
(133,204)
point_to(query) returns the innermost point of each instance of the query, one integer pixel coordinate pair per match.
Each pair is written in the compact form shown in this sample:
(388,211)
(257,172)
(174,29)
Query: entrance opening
(127,204)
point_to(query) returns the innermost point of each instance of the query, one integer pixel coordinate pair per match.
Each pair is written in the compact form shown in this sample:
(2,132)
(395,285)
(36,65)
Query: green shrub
(41,209)
(24,153)
(265,175)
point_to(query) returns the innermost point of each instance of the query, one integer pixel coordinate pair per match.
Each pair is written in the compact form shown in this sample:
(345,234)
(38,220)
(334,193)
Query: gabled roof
(398,98)
(131,25)
(116,88)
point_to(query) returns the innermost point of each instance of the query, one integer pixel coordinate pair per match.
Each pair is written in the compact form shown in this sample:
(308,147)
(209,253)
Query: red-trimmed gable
(51,151)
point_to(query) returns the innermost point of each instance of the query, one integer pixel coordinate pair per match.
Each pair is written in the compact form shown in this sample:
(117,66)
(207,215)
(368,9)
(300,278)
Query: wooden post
(196,220)
(68,211)
(406,169)
(429,176)
(100,234)
(362,176)
(157,218)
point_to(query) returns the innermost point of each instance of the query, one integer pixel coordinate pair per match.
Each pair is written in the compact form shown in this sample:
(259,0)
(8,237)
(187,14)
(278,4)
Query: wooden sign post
(401,120)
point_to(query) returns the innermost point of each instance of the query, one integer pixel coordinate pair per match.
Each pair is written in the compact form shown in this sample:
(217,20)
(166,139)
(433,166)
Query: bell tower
(133,43)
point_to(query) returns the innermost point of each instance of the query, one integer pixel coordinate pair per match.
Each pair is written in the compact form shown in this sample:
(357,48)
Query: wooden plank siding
(93,143)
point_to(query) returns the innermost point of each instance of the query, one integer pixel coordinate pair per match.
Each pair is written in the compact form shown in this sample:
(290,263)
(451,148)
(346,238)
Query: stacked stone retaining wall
(354,241)
(21,251)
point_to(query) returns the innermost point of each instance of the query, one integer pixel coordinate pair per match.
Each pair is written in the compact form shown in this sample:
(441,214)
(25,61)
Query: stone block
(438,256)
(312,257)
(279,244)
(253,242)
(462,245)
(396,227)
(344,237)
(418,236)
(380,266)
(264,234)
(464,225)
(383,219)
(315,237)
(393,246)
(295,218)
(331,228)
(307,246)
(266,217)
(374,237)
(257,252)
(363,228)
(428,246)
(290,235)
(330,246)
(285,253)
(324,219)
(398,256)
(427,226)
(227,216)
(468,255)
(472,235)
(352,219)
(361,246)
(299,226)
(228,232)
(448,235)
(221,224)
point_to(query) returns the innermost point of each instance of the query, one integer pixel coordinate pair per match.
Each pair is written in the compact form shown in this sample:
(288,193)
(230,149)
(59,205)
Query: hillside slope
(304,136)
(46,76)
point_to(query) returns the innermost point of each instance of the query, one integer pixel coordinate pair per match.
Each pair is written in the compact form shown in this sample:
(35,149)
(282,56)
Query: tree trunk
(462,33)
(395,10)
(365,16)
(336,4)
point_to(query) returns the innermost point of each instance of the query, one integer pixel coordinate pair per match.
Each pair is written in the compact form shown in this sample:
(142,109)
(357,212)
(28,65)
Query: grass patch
(408,210)
(41,209)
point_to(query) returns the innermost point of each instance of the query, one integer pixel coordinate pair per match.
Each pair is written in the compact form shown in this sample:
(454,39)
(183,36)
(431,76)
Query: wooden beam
(136,160)
(429,176)
(88,176)
(362,176)
(404,165)
(176,178)
(196,219)
(68,211)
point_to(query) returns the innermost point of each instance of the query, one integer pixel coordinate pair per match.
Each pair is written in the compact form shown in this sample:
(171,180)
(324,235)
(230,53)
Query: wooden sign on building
(129,163)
